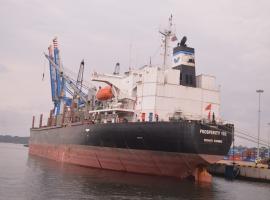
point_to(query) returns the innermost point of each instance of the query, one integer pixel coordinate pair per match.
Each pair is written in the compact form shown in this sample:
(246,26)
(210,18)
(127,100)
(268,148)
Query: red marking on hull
(178,165)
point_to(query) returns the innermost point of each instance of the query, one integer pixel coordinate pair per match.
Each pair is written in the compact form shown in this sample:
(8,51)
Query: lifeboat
(104,93)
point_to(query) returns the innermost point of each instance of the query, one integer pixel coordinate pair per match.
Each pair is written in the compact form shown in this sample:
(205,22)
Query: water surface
(30,177)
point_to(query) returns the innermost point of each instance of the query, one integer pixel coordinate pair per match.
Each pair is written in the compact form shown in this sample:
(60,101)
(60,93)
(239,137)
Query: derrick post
(33,122)
(40,120)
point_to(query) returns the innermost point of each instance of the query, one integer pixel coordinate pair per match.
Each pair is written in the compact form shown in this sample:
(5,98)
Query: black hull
(179,137)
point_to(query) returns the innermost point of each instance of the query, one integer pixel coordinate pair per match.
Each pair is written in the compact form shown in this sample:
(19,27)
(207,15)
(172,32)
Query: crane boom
(68,80)
(53,78)
(80,76)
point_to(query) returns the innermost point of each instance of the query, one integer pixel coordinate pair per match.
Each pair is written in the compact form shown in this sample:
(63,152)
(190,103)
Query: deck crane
(68,80)
(56,80)
(80,76)
(62,83)
(79,82)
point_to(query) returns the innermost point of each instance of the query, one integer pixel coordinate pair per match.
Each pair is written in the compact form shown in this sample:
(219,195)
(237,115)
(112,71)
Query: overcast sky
(231,39)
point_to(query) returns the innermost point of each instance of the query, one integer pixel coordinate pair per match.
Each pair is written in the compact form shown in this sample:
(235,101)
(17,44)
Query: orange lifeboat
(104,93)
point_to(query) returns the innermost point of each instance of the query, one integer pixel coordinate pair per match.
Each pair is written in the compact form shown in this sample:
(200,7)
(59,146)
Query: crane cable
(44,66)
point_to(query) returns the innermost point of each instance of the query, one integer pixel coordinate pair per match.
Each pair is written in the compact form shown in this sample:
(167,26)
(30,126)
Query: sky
(231,40)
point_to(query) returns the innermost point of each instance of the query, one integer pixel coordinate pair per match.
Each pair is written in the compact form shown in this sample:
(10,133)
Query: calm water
(28,177)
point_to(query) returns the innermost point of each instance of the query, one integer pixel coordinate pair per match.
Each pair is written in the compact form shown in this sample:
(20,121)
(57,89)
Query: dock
(242,169)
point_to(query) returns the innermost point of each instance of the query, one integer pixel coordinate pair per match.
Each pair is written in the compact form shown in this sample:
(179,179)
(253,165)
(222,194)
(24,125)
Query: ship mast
(167,33)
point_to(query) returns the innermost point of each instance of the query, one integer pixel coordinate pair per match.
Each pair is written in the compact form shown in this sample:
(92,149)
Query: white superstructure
(157,91)
(171,90)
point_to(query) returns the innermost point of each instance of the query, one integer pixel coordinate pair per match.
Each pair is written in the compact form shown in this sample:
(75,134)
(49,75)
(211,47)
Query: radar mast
(167,34)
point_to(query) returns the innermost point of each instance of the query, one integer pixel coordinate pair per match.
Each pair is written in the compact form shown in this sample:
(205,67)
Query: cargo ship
(157,119)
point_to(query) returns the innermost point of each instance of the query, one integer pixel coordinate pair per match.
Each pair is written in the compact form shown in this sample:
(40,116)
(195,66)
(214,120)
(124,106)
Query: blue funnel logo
(176,59)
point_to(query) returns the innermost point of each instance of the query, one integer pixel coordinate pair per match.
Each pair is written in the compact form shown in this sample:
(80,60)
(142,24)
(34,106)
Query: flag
(174,38)
(208,107)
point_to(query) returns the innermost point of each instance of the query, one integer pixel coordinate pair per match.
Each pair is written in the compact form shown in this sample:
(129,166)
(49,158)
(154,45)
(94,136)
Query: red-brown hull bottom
(178,165)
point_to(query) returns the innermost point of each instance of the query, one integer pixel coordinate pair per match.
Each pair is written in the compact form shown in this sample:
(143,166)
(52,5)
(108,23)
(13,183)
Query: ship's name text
(212,132)
(212,141)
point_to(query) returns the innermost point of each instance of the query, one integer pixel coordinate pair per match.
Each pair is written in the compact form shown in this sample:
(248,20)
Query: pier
(241,169)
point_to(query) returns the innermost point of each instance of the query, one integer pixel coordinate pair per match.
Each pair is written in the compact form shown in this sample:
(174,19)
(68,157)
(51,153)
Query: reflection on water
(31,177)
(75,181)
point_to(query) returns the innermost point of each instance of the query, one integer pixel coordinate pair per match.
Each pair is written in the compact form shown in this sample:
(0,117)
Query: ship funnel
(183,55)
(184,60)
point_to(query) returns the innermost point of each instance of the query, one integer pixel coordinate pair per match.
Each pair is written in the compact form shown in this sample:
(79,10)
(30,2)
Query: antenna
(130,55)
(170,20)
(167,33)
